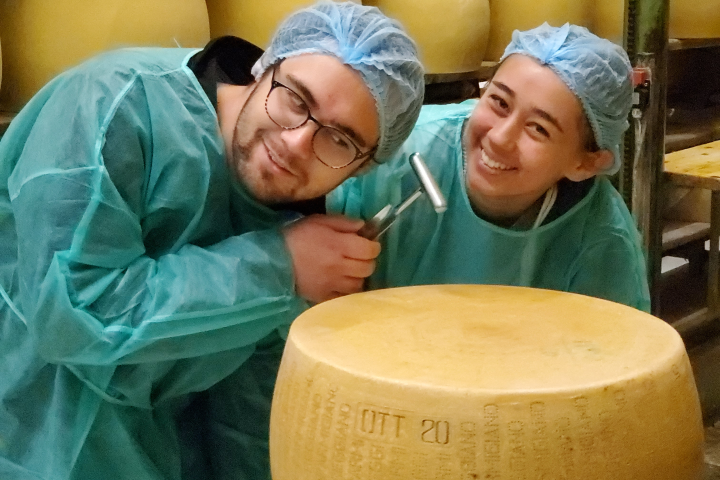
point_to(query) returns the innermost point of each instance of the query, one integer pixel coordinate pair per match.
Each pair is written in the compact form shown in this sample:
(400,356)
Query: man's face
(523,136)
(279,165)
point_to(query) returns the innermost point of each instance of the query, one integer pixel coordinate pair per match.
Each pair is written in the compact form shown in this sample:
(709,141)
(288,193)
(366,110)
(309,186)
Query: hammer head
(428,183)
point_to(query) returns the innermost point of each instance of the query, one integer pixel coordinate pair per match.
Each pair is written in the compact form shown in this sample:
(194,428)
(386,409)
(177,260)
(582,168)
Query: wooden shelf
(693,322)
(683,302)
(687,43)
(698,166)
(702,128)
(676,234)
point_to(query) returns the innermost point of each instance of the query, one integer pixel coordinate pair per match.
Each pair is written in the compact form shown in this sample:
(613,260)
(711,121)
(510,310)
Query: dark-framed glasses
(288,110)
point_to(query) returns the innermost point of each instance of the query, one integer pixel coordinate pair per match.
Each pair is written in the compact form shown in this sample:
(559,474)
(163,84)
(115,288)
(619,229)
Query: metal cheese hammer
(382,220)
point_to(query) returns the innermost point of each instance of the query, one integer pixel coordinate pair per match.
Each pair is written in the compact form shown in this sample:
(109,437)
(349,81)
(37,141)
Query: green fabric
(238,418)
(133,272)
(593,249)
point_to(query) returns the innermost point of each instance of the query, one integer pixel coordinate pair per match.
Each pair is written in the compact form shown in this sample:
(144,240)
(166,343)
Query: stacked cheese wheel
(43,38)
(688,19)
(253,20)
(489,382)
(693,19)
(509,15)
(452,35)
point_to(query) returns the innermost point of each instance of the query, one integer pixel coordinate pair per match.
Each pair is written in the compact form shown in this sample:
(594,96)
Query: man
(145,237)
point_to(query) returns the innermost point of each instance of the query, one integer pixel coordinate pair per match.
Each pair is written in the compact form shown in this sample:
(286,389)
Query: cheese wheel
(492,382)
(688,19)
(451,35)
(607,19)
(50,36)
(694,19)
(253,20)
(509,15)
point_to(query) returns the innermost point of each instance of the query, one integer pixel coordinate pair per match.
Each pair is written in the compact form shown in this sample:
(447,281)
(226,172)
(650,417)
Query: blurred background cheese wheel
(253,20)
(607,19)
(509,15)
(463,381)
(688,19)
(452,35)
(50,36)
(694,18)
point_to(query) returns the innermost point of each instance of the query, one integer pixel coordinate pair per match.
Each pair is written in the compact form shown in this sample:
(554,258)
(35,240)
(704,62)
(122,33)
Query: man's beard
(260,183)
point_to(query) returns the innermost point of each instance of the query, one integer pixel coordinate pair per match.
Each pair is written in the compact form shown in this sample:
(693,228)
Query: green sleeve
(134,327)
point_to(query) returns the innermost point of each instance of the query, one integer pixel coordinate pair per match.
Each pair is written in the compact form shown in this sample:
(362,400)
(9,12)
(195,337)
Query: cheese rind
(51,36)
(497,382)
(688,19)
(693,19)
(607,20)
(509,15)
(253,20)
(452,35)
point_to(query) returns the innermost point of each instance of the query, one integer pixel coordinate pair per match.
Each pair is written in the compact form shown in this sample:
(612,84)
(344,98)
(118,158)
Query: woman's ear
(591,164)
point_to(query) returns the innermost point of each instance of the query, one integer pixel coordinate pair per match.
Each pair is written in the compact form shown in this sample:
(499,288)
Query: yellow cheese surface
(607,19)
(483,382)
(253,20)
(451,35)
(509,15)
(48,37)
(694,19)
(688,19)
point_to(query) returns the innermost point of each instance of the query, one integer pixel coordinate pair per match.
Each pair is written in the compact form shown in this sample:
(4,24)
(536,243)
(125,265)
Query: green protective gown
(592,249)
(133,270)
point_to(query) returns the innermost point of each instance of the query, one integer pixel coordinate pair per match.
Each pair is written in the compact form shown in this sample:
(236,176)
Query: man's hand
(329,258)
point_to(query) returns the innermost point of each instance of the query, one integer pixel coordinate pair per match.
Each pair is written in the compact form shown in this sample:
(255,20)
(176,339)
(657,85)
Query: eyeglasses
(289,111)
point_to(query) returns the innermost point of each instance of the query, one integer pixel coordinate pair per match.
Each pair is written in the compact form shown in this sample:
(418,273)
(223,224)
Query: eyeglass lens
(288,110)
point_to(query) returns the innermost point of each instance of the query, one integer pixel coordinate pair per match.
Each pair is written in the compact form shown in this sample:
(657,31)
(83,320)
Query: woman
(523,169)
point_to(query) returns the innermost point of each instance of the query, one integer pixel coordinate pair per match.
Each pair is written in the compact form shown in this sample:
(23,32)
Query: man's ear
(590,165)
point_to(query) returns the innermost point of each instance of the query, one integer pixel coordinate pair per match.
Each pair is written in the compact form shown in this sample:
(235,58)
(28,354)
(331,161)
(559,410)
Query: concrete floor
(712,452)
(705,360)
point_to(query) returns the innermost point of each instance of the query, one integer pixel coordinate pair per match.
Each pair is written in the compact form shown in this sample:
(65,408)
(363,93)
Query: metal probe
(382,220)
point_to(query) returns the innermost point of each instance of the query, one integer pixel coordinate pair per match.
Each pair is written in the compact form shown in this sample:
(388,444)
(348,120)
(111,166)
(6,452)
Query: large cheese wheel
(694,19)
(483,382)
(253,20)
(688,19)
(452,35)
(607,19)
(509,15)
(47,37)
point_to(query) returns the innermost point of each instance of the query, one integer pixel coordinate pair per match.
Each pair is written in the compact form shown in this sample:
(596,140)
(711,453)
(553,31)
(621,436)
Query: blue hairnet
(595,69)
(377,47)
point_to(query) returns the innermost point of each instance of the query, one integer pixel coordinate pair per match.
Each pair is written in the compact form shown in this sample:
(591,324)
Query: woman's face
(524,135)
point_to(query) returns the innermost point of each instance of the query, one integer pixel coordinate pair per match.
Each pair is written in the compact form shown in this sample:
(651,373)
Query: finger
(358,269)
(360,248)
(348,285)
(339,223)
